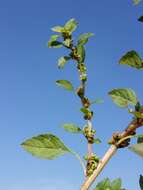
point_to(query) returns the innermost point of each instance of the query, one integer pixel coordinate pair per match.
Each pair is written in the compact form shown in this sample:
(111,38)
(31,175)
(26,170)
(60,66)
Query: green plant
(48,146)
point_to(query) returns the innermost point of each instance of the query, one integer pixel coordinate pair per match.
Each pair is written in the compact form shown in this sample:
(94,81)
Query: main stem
(90,150)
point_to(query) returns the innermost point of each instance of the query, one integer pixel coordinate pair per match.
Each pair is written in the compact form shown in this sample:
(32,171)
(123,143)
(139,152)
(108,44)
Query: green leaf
(53,42)
(137,148)
(132,59)
(71,25)
(65,84)
(83,38)
(62,61)
(123,97)
(59,29)
(140,19)
(81,53)
(136,2)
(103,185)
(106,184)
(45,146)
(69,127)
(98,101)
(97,141)
(67,42)
(141,182)
(84,110)
(116,184)
(138,115)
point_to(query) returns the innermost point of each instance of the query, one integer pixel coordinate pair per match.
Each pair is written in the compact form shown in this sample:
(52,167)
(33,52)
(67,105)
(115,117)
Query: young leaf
(97,141)
(98,101)
(67,42)
(132,59)
(141,182)
(123,97)
(62,61)
(71,25)
(81,53)
(83,38)
(140,19)
(53,42)
(69,127)
(65,84)
(84,110)
(59,29)
(137,148)
(45,146)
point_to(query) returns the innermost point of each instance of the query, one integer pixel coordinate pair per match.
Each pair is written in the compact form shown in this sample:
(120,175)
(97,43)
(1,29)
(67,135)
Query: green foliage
(65,84)
(71,25)
(140,19)
(137,148)
(81,53)
(123,97)
(97,101)
(53,42)
(132,59)
(136,2)
(83,38)
(59,29)
(62,61)
(45,146)
(106,184)
(85,110)
(69,127)
(141,182)
(97,141)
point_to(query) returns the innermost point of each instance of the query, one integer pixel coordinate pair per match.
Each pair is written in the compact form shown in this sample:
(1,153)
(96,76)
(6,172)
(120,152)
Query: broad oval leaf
(45,146)
(123,97)
(65,84)
(83,38)
(69,127)
(62,61)
(137,148)
(71,25)
(132,59)
(81,53)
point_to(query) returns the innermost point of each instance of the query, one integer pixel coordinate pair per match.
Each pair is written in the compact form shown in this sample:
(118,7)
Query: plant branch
(108,155)
(122,142)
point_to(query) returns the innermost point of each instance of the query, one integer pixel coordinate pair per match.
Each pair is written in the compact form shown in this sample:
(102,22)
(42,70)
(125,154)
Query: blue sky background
(31,103)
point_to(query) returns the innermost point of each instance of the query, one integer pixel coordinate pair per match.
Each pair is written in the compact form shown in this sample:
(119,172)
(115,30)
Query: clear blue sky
(31,103)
